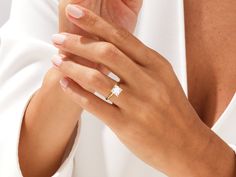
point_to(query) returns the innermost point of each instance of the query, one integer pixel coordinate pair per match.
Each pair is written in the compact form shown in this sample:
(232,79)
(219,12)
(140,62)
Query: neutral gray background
(4,10)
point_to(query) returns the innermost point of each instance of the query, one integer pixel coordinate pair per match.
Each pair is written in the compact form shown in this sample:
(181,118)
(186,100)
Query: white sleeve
(25,54)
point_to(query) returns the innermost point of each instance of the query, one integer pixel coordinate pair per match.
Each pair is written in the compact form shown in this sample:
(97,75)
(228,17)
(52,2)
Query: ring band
(116,90)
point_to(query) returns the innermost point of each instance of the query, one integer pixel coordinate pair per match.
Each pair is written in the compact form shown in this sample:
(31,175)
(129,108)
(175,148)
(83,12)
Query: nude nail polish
(58,39)
(64,83)
(57,60)
(74,11)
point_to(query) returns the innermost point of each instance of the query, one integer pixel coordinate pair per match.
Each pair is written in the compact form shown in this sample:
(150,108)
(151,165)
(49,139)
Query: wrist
(49,122)
(205,154)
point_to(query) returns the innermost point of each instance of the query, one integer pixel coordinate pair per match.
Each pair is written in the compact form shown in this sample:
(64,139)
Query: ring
(116,90)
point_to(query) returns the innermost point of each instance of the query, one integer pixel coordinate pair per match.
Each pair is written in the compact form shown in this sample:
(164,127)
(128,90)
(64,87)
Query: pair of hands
(152,116)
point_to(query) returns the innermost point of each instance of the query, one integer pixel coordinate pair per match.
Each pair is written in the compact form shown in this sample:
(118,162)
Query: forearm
(48,125)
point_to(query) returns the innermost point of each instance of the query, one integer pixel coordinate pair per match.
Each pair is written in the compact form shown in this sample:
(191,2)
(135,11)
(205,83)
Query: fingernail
(57,60)
(74,11)
(58,38)
(64,83)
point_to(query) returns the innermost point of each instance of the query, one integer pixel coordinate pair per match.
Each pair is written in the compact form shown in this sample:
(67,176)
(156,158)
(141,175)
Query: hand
(152,115)
(122,13)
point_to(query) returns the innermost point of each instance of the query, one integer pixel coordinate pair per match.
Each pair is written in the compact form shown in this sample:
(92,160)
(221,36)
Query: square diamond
(116,90)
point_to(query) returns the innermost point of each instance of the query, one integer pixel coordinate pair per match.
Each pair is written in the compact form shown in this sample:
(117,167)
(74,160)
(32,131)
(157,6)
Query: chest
(211,56)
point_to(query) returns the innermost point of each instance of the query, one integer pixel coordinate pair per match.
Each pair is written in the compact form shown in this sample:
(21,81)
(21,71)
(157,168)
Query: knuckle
(71,41)
(91,20)
(166,71)
(108,51)
(155,59)
(94,78)
(121,34)
(167,65)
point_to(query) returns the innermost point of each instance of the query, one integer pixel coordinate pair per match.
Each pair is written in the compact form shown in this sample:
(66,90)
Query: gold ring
(116,90)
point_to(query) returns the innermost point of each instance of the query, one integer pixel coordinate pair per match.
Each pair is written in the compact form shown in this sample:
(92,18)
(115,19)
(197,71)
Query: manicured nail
(64,83)
(74,11)
(58,39)
(57,60)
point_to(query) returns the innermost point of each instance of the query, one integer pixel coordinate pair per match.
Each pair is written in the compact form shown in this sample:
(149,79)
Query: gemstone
(116,90)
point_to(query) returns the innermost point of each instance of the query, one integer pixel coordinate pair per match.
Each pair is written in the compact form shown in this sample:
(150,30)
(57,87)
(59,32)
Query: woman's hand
(122,13)
(152,115)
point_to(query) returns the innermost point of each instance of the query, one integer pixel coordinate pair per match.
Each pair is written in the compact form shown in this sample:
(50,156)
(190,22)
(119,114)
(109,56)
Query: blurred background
(4,10)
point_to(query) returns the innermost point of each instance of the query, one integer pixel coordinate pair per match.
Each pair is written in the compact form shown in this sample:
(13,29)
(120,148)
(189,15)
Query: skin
(48,131)
(122,13)
(206,150)
(211,38)
(189,149)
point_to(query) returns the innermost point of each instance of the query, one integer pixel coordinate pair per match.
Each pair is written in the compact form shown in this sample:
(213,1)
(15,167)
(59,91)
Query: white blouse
(25,54)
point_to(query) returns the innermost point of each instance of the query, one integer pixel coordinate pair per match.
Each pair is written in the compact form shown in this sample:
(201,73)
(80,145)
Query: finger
(125,41)
(90,79)
(88,63)
(99,52)
(108,113)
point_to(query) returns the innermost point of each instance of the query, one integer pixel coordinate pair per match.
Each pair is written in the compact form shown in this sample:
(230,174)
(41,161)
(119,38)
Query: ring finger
(91,79)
